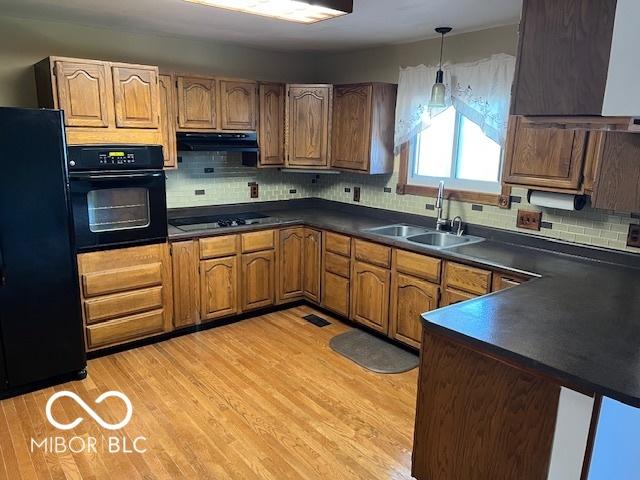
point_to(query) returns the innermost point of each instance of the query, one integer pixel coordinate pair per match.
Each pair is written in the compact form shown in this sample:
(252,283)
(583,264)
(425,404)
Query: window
(455,149)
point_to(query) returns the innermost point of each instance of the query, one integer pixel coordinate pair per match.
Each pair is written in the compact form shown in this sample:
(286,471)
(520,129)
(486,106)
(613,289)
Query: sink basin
(441,240)
(398,230)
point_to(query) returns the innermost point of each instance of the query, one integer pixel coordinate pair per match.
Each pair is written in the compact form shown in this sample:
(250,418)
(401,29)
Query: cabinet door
(451,296)
(136,95)
(544,155)
(336,293)
(219,287)
(271,133)
(83,93)
(312,263)
(410,297)
(290,263)
(168,121)
(308,121)
(238,101)
(258,280)
(351,127)
(618,180)
(197,103)
(186,296)
(370,287)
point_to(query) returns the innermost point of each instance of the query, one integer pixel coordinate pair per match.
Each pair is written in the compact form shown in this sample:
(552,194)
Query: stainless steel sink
(398,230)
(427,237)
(442,240)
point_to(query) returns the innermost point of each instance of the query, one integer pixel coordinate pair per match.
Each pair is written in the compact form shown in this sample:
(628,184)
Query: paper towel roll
(562,201)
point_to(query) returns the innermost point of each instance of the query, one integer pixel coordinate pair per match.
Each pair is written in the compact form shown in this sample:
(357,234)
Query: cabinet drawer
(337,264)
(339,244)
(418,265)
(256,241)
(336,293)
(122,304)
(218,246)
(123,329)
(502,281)
(373,253)
(467,279)
(121,279)
(451,296)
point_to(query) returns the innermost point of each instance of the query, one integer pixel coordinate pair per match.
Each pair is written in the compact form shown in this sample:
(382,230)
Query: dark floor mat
(316,320)
(373,353)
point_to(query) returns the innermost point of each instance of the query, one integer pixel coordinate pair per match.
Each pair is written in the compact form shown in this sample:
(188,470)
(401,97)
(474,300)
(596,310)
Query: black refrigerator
(41,332)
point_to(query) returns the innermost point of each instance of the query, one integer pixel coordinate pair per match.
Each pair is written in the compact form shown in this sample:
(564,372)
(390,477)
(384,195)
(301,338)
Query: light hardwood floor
(261,398)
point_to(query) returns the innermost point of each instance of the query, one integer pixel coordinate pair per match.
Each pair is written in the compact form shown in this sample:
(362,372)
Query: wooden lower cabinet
(258,280)
(336,293)
(186,294)
(126,294)
(290,264)
(370,286)
(410,297)
(502,281)
(219,292)
(312,260)
(451,296)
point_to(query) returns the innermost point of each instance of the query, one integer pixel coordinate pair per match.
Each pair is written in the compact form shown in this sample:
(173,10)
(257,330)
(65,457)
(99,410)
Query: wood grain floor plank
(263,398)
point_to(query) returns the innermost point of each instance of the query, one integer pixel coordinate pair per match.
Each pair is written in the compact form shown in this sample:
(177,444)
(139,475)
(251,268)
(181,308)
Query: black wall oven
(118,195)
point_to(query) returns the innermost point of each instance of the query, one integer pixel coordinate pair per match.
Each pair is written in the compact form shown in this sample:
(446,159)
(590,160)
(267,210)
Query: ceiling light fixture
(438,91)
(301,11)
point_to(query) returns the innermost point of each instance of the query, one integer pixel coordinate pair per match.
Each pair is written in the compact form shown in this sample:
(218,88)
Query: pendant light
(438,90)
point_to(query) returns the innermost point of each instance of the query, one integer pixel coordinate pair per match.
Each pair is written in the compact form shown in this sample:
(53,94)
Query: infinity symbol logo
(89,410)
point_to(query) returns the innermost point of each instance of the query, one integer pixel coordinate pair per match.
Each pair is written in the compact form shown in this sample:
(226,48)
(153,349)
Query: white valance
(481,91)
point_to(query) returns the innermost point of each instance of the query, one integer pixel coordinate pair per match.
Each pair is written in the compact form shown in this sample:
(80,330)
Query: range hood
(218,142)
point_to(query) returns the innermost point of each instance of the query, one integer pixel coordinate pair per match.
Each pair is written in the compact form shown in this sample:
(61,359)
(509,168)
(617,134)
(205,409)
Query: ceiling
(373,23)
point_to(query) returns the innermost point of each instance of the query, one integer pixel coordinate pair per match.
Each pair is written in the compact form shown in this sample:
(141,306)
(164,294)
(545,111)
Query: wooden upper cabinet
(312,259)
(362,127)
(271,133)
(83,92)
(410,297)
(370,286)
(167,120)
(308,115)
(219,288)
(617,185)
(238,101)
(197,103)
(258,280)
(563,57)
(136,94)
(290,272)
(547,155)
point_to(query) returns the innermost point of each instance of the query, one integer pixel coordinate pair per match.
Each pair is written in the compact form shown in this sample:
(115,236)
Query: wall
(382,64)
(25,42)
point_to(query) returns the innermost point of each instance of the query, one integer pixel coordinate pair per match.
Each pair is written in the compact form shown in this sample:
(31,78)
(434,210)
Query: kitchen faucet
(440,222)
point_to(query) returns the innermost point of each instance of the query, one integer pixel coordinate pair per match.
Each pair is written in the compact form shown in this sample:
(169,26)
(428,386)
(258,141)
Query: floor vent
(316,320)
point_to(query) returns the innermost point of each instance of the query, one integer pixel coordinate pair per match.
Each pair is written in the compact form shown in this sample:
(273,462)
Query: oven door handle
(93,176)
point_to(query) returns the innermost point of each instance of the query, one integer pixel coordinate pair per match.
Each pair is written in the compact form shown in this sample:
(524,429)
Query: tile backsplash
(206,178)
(228,183)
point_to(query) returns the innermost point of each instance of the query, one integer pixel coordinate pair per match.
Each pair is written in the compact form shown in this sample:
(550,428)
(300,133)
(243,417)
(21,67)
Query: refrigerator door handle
(3,278)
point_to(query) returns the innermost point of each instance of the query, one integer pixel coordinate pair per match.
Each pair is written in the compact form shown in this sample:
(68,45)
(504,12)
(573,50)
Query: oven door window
(113,209)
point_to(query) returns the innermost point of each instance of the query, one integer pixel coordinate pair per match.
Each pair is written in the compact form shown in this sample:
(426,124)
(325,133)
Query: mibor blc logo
(89,444)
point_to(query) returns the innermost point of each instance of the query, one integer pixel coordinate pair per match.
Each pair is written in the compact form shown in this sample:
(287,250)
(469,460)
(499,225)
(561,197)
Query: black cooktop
(205,222)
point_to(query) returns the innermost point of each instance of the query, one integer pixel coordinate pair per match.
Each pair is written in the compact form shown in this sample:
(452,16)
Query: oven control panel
(114,157)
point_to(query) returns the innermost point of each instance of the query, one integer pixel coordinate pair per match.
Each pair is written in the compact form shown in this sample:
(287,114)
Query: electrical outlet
(529,220)
(633,239)
(255,191)
(356,194)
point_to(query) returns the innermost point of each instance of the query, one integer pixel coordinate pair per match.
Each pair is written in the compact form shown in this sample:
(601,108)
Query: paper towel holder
(579,201)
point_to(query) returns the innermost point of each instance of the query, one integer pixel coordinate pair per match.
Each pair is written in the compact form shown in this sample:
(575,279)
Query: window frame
(407,173)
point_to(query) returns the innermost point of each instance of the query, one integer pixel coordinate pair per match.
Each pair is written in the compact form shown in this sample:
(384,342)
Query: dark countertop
(579,323)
